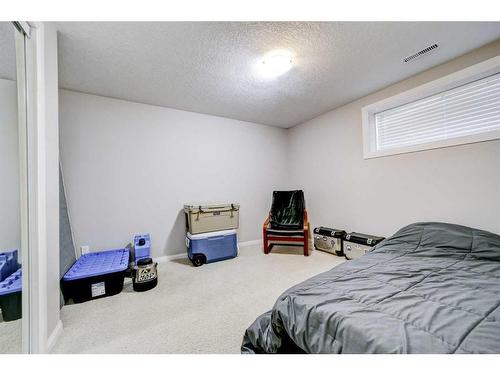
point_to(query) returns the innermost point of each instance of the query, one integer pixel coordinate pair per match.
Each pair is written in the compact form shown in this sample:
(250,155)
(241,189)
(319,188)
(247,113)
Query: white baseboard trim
(249,243)
(54,336)
(168,258)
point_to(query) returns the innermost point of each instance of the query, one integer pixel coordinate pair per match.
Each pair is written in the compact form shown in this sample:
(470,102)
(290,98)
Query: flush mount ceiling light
(275,63)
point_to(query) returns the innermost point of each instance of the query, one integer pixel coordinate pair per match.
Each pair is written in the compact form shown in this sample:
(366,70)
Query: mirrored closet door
(12,172)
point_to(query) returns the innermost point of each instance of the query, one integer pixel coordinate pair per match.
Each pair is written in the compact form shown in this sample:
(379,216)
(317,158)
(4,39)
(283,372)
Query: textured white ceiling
(209,67)
(7,51)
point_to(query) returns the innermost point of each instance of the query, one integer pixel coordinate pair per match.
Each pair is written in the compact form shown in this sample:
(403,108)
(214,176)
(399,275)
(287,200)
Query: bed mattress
(430,288)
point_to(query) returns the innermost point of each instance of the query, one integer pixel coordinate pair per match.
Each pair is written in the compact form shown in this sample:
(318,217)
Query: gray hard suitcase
(358,244)
(329,240)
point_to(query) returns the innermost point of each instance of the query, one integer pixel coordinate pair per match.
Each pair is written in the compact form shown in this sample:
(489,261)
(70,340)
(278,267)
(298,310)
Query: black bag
(145,275)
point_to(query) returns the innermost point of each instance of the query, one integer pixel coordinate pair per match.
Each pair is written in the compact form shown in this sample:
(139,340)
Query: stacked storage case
(329,240)
(96,275)
(358,244)
(211,232)
(144,272)
(212,246)
(142,247)
(204,218)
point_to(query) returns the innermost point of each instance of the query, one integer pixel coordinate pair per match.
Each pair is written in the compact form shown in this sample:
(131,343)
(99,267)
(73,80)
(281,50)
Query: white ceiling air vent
(420,53)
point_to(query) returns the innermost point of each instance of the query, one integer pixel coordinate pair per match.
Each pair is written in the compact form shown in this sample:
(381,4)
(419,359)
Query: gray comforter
(430,288)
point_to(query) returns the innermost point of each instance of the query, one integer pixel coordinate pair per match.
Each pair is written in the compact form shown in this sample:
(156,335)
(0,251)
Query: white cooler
(202,218)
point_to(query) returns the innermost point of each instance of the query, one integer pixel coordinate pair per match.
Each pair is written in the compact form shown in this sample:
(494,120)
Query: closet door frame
(22,33)
(30,49)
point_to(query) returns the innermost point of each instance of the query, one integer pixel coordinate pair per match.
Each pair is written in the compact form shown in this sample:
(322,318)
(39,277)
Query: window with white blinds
(459,108)
(469,109)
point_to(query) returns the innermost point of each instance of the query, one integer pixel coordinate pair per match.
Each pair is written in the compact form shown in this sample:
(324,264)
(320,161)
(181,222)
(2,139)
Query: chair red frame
(284,239)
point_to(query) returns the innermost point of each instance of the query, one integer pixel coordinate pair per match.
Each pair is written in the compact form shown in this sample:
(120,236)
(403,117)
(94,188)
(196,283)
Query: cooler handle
(215,238)
(216,209)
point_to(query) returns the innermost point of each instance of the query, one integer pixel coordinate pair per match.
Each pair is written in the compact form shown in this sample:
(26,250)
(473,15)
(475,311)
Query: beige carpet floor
(192,310)
(10,337)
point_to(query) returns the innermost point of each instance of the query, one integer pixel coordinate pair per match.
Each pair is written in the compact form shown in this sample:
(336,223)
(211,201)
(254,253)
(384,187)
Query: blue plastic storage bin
(96,275)
(11,284)
(10,296)
(8,263)
(211,247)
(142,251)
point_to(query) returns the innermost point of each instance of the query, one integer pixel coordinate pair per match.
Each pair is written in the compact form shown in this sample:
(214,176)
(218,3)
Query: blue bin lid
(10,254)
(11,284)
(99,263)
(8,263)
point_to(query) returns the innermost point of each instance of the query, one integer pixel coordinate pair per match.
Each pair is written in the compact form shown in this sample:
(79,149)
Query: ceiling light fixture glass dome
(276,63)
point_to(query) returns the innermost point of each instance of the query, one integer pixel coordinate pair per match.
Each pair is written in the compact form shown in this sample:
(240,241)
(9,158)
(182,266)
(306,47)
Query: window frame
(461,77)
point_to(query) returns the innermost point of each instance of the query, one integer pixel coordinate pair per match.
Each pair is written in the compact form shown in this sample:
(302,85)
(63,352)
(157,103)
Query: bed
(430,288)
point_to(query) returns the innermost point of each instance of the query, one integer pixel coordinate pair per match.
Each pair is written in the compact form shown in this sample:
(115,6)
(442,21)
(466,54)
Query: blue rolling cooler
(211,247)
(96,275)
(10,296)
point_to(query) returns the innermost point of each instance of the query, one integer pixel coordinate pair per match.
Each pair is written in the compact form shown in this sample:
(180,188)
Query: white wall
(129,168)
(9,168)
(456,184)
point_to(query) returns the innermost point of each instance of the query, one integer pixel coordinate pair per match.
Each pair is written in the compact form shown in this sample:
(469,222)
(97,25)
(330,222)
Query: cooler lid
(364,239)
(195,207)
(210,234)
(324,231)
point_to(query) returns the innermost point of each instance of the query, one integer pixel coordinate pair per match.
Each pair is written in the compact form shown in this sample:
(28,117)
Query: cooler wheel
(198,260)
